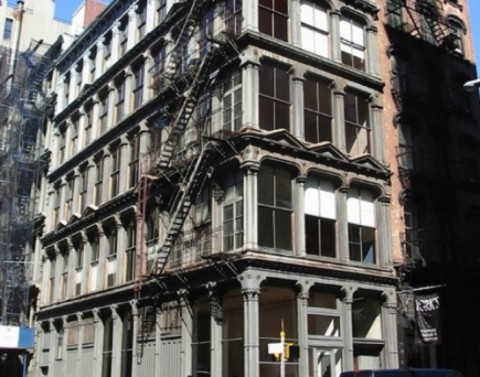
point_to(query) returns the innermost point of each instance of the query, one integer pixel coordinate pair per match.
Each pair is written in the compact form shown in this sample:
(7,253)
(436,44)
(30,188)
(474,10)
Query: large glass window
(318,111)
(82,195)
(232,102)
(115,171)
(233,17)
(274,208)
(103,112)
(274,97)
(233,213)
(120,104)
(99,180)
(138,75)
(134,160)
(320,217)
(361,225)
(352,43)
(357,124)
(315,28)
(273,18)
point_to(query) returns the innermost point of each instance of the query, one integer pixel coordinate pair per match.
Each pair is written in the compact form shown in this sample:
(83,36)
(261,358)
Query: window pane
(312,235)
(266,80)
(265,185)
(328,236)
(281,27)
(368,245)
(281,6)
(282,115)
(350,107)
(310,122)
(266,114)
(282,85)
(283,189)
(265,227)
(283,231)
(310,94)
(323,325)
(265,21)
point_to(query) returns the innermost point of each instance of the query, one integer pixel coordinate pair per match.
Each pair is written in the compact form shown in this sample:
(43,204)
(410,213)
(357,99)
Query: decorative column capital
(348,291)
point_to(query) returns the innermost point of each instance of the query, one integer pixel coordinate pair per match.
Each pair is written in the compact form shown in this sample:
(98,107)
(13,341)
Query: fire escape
(422,19)
(188,78)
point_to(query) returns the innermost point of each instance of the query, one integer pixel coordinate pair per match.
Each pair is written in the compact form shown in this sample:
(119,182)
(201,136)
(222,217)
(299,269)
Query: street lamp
(472,85)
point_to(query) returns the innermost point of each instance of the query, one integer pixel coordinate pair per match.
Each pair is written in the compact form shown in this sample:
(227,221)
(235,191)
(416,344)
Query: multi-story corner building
(432,141)
(220,174)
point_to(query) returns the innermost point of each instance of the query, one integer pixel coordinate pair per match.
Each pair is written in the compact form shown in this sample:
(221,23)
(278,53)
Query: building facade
(219,172)
(433,140)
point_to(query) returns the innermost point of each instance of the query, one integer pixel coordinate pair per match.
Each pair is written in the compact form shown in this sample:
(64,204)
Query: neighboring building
(27,52)
(86,14)
(433,141)
(219,171)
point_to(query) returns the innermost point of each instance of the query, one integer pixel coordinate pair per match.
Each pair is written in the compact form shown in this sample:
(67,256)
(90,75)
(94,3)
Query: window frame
(271,100)
(273,20)
(8,29)
(317,114)
(349,45)
(357,126)
(315,28)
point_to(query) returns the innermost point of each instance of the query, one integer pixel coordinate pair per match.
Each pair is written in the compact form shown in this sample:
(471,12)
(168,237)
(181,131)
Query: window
(206,30)
(82,196)
(456,35)
(161,10)
(112,240)
(66,88)
(103,112)
(74,136)
(152,226)
(133,166)
(93,66)
(88,124)
(361,225)
(120,105)
(142,20)
(232,102)
(352,43)
(320,218)
(95,248)
(107,45)
(61,145)
(59,349)
(274,208)
(233,19)
(115,171)
(7,29)
(79,255)
(233,213)
(107,356)
(65,276)
(394,14)
(315,28)
(406,148)
(273,18)
(357,127)
(123,30)
(99,181)
(56,206)
(52,279)
(318,111)
(131,250)
(138,75)
(274,98)
(68,198)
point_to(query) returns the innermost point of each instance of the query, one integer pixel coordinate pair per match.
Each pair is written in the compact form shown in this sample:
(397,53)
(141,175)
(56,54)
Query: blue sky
(65,9)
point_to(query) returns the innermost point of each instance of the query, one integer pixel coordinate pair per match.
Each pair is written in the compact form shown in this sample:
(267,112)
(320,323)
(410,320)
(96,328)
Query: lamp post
(472,85)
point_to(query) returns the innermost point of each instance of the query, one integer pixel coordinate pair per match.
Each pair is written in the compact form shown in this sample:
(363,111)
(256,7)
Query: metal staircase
(193,179)
(184,114)
(420,18)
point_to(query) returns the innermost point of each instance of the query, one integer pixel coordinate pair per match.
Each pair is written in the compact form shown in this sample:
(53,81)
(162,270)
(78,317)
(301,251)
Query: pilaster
(389,316)
(347,301)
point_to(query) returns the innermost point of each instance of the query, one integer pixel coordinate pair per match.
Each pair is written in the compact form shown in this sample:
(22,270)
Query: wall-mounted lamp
(472,85)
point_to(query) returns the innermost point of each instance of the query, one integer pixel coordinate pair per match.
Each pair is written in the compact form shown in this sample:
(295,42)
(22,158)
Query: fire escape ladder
(189,187)
(180,121)
(433,19)
(183,38)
